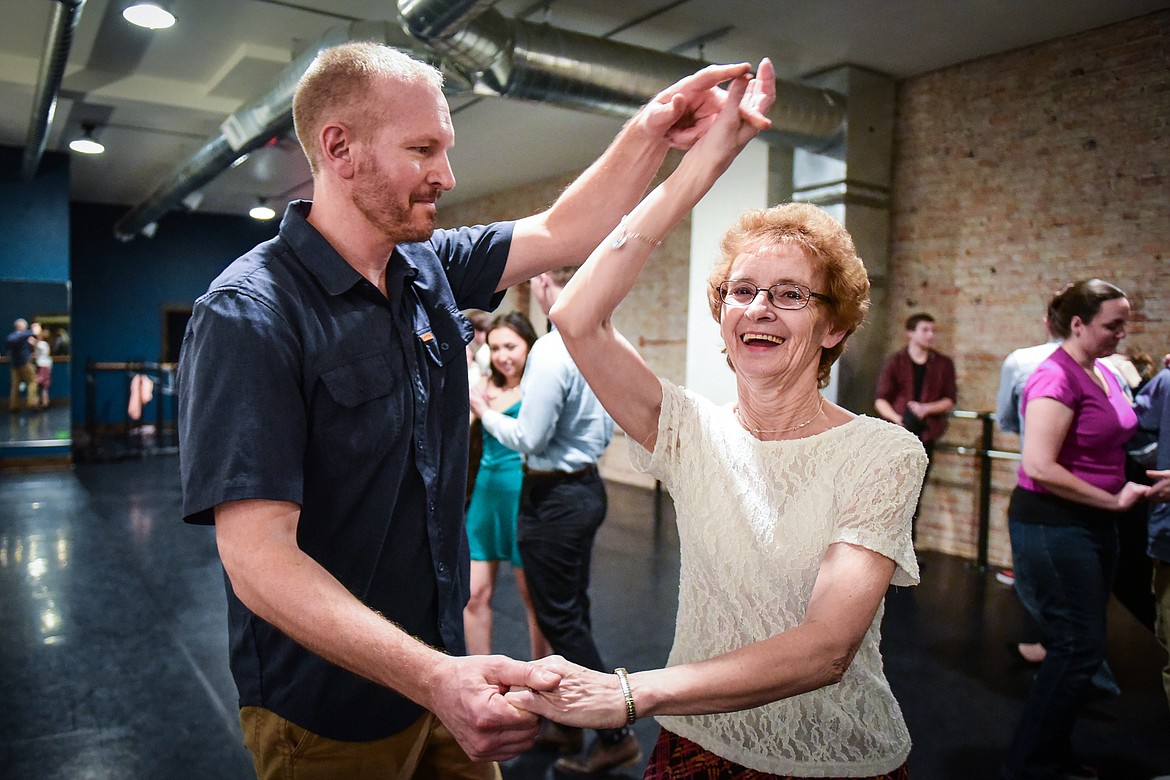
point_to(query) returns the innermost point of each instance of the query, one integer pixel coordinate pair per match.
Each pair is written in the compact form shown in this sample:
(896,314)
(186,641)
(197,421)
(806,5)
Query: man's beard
(395,222)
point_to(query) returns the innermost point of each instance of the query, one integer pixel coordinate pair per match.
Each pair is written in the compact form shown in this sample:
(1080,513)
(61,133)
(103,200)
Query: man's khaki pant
(426,750)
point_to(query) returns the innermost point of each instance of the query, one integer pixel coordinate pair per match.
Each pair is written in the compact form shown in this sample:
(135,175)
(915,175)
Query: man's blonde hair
(336,86)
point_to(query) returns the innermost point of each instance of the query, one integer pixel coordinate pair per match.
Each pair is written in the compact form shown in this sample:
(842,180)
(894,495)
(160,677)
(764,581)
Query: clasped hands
(685,111)
(492,704)
(582,697)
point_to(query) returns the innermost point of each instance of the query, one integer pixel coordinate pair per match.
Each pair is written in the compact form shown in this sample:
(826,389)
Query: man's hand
(683,112)
(469,700)
(1160,490)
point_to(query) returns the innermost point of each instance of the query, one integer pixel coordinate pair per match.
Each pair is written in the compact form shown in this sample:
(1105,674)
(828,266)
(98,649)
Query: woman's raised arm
(621,379)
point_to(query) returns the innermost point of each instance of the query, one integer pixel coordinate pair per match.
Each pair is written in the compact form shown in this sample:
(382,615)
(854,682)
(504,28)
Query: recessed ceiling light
(261,211)
(149,15)
(85,143)
(86,146)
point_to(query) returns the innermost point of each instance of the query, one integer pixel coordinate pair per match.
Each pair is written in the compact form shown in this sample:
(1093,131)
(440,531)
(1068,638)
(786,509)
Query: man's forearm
(588,210)
(282,585)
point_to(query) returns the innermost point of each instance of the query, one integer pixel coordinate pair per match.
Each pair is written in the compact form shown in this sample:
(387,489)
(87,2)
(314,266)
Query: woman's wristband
(626,235)
(624,681)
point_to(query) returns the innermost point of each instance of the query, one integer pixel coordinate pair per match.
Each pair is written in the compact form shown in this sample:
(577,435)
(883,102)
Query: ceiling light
(261,210)
(149,15)
(85,144)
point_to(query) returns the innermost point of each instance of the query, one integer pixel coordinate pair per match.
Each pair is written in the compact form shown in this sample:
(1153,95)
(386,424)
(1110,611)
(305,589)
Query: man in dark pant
(559,518)
(562,430)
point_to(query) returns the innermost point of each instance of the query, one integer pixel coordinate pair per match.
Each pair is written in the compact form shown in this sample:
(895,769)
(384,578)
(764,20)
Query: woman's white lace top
(755,519)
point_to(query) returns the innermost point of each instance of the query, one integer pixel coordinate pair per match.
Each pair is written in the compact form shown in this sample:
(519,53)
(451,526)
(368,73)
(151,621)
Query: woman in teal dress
(495,499)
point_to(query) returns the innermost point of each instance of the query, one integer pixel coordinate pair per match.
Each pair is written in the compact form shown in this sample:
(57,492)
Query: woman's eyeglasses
(783,296)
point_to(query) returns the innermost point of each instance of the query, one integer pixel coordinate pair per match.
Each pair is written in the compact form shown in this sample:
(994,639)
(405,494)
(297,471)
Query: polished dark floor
(34,426)
(113,649)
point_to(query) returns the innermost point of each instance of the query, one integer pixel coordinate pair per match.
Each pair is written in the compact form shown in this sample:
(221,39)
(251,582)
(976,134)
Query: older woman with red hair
(793,513)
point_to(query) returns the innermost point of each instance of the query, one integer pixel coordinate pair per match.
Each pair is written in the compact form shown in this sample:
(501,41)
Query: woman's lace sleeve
(885,478)
(663,461)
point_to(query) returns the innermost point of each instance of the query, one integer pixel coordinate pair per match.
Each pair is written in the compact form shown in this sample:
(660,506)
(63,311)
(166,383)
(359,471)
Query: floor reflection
(50,425)
(113,642)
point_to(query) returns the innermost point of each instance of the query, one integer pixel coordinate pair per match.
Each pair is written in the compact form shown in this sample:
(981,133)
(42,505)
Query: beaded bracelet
(624,681)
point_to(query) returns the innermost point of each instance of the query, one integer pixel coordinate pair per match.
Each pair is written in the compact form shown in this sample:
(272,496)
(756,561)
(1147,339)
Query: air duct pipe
(539,62)
(494,55)
(249,128)
(58,42)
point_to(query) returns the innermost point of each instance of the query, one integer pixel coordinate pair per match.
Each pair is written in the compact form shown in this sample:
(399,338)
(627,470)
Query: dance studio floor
(113,657)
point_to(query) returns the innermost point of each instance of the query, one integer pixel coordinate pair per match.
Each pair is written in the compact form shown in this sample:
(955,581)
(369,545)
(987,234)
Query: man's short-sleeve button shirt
(299,381)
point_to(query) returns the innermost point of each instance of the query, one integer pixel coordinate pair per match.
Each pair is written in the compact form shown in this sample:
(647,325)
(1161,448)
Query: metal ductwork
(539,62)
(481,49)
(58,42)
(430,20)
(249,128)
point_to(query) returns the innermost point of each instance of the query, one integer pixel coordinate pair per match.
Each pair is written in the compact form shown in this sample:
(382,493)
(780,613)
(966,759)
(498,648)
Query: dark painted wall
(121,290)
(35,219)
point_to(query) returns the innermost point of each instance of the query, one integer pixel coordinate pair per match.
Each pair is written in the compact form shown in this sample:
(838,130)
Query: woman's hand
(1130,495)
(584,698)
(684,112)
(743,115)
(480,401)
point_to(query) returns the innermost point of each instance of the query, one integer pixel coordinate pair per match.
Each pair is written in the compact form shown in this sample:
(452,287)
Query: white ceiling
(157,97)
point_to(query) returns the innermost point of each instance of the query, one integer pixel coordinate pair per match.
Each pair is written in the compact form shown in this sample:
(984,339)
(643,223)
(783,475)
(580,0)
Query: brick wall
(1013,175)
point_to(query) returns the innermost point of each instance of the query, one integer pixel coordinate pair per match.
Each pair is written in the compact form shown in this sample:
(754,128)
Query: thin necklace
(739,417)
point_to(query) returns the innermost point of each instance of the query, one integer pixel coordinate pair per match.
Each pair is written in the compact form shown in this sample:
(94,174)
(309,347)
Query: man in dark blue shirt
(1153,408)
(19,347)
(323,414)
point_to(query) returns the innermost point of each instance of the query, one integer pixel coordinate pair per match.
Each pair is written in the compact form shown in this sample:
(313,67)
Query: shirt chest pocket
(363,407)
(361,381)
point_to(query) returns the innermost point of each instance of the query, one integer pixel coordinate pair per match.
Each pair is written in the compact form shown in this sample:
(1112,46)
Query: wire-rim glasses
(788,295)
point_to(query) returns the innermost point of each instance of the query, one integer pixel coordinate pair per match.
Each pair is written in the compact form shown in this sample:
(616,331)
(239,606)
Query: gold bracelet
(624,681)
(620,241)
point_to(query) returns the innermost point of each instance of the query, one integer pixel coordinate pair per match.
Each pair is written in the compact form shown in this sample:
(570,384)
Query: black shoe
(560,739)
(601,757)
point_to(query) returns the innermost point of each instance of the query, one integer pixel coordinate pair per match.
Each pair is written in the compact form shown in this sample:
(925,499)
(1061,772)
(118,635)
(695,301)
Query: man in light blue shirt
(562,430)
(1013,375)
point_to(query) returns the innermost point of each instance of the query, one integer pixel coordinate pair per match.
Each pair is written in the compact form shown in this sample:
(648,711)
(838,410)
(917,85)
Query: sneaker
(1005,577)
(601,757)
(559,739)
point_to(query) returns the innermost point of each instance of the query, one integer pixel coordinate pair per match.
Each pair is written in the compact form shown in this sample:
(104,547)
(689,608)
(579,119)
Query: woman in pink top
(1062,516)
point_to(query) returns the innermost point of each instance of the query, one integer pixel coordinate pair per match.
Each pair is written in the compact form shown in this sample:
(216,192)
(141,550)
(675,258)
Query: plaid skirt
(677,758)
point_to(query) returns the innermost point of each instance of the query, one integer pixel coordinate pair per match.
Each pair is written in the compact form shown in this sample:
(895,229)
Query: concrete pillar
(852,182)
(745,185)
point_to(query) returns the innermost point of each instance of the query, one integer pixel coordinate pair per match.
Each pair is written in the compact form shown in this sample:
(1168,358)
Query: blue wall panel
(35,219)
(120,290)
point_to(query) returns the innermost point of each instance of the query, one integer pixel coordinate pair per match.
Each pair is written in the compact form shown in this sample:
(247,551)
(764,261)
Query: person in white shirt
(794,514)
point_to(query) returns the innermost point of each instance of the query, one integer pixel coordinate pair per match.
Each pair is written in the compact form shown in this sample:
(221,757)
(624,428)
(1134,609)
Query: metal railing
(985,453)
(112,439)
